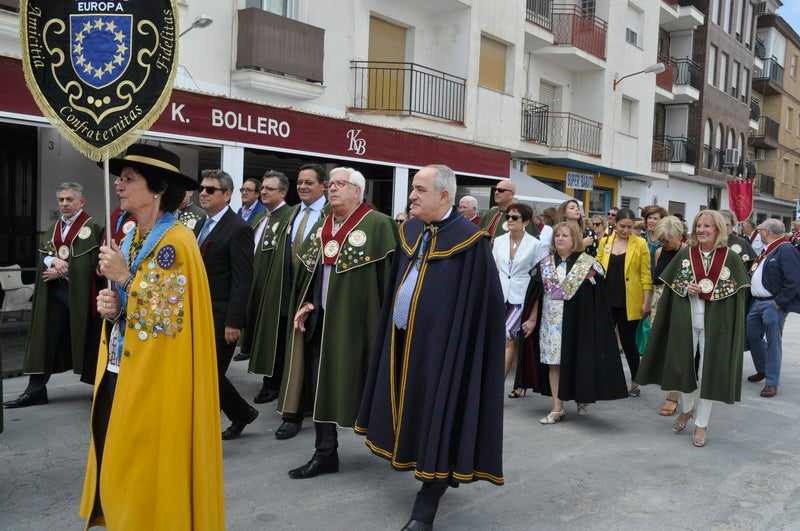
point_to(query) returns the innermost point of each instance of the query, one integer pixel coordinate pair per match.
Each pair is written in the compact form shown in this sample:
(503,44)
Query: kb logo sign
(357,145)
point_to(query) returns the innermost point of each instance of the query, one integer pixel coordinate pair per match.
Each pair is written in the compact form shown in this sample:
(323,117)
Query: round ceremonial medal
(725,273)
(128,226)
(63,252)
(357,238)
(84,233)
(706,285)
(331,248)
(736,248)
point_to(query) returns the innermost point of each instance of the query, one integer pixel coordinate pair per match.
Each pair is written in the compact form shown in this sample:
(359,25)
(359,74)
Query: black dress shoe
(757,377)
(318,465)
(25,400)
(237,426)
(287,430)
(266,396)
(416,525)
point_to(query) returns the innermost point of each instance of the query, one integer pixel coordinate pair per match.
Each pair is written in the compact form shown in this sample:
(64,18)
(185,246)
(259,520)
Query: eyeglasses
(399,221)
(247,190)
(612,214)
(339,184)
(501,190)
(211,190)
(514,217)
(597,224)
(270,188)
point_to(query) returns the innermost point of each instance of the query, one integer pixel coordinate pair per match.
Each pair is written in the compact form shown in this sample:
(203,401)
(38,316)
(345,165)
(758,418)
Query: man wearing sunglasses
(226,244)
(612,221)
(494,221)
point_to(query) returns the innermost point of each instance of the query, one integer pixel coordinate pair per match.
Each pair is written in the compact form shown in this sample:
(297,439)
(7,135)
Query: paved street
(618,467)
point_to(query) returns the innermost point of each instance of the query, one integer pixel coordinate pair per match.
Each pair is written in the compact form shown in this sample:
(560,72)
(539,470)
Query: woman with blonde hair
(704,291)
(565,355)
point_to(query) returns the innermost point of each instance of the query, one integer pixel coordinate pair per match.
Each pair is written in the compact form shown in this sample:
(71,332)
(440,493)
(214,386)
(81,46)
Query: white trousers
(692,400)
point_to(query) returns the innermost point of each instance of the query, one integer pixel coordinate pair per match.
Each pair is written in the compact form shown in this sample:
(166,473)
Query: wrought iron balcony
(680,149)
(563,131)
(407,88)
(765,184)
(665,79)
(277,44)
(772,71)
(767,128)
(540,12)
(687,72)
(575,26)
(660,156)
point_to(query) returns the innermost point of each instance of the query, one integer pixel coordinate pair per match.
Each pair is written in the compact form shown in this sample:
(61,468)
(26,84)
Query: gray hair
(283,181)
(774,226)
(225,180)
(471,201)
(444,180)
(354,177)
(730,216)
(76,188)
(749,223)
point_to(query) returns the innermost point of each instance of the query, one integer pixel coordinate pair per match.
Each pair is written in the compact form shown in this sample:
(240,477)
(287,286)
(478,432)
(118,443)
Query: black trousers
(427,501)
(627,336)
(327,438)
(57,331)
(230,401)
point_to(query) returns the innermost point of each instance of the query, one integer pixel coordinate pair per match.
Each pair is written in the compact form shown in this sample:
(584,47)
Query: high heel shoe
(516,393)
(553,417)
(697,441)
(679,426)
(582,408)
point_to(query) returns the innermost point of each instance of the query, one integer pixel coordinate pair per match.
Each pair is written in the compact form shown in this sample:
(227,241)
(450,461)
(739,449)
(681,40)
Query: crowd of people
(403,330)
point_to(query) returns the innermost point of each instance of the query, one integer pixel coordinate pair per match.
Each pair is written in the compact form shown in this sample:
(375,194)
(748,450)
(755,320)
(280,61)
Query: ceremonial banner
(101,72)
(740,197)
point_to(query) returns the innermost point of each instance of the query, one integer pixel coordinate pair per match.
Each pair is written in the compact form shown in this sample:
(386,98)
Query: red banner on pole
(740,197)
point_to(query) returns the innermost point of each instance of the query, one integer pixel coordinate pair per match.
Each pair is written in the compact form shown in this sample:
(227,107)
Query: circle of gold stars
(99,70)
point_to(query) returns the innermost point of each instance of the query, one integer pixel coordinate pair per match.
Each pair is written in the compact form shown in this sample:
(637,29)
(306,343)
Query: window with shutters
(711,65)
(726,15)
(723,72)
(735,79)
(627,123)
(492,68)
(633,29)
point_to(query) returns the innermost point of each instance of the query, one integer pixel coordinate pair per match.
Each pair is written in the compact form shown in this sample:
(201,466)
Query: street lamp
(652,69)
(200,22)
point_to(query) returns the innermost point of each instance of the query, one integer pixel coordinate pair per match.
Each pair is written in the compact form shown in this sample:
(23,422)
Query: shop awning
(531,190)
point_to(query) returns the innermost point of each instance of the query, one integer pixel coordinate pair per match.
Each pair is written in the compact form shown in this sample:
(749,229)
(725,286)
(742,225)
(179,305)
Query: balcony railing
(540,12)
(765,184)
(755,109)
(772,71)
(687,72)
(575,26)
(278,44)
(407,88)
(680,149)
(666,78)
(560,130)
(768,128)
(660,156)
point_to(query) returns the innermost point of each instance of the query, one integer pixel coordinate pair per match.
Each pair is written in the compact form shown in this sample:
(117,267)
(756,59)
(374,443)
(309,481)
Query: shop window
(492,68)
(600,201)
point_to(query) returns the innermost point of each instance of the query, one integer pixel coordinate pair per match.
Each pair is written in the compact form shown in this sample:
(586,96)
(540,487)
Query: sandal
(669,408)
(516,393)
(679,426)
(697,441)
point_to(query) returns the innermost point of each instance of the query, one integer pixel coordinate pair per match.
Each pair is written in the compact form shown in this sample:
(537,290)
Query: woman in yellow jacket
(626,260)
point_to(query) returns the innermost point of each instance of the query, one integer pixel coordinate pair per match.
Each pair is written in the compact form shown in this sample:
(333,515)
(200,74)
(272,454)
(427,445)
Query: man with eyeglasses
(305,219)
(494,221)
(612,221)
(226,244)
(339,288)
(251,205)
(265,332)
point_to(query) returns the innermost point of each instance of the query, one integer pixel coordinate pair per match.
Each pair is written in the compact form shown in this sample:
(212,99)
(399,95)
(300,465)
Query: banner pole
(107,188)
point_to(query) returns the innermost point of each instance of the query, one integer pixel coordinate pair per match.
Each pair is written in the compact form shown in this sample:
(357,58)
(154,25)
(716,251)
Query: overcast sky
(791,13)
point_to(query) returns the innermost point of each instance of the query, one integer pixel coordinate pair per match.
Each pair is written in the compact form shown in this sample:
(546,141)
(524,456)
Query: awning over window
(534,192)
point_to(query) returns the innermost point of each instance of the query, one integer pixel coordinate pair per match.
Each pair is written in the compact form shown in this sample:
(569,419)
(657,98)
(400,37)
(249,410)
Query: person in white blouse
(515,254)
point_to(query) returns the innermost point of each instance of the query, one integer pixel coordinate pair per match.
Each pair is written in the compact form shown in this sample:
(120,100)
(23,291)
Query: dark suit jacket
(781,276)
(228,257)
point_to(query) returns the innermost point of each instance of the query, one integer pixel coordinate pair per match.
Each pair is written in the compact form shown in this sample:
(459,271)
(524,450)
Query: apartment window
(715,11)
(748,25)
(627,122)
(633,30)
(740,19)
(735,79)
(723,72)
(279,7)
(785,170)
(745,84)
(589,6)
(711,65)
(796,174)
(492,69)
(726,15)
(789,119)
(793,66)
(707,143)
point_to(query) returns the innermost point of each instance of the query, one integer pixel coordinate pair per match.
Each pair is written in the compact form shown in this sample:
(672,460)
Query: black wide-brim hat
(153,161)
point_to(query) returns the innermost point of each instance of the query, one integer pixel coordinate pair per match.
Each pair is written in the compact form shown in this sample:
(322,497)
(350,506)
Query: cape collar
(766,252)
(64,244)
(332,243)
(707,279)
